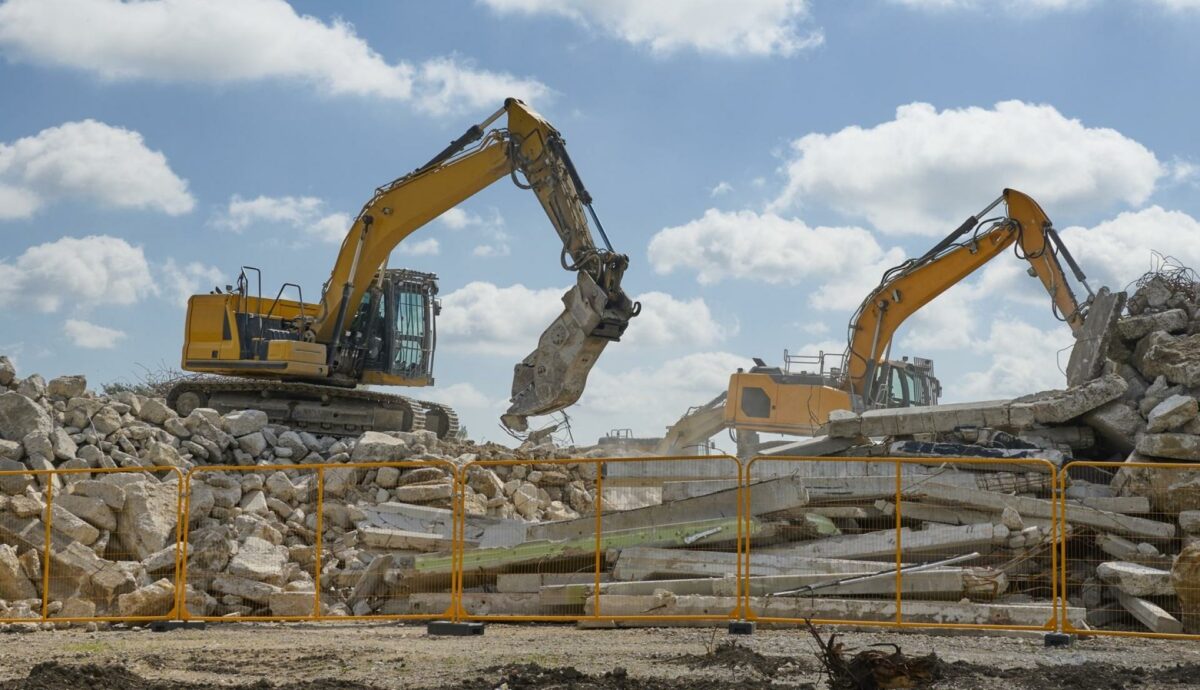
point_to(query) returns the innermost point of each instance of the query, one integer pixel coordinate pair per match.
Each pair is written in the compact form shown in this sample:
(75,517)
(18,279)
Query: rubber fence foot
(453,629)
(741,627)
(167,626)
(1057,639)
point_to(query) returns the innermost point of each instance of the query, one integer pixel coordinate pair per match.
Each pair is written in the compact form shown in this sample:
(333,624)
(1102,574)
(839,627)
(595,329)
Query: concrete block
(1172,413)
(1137,327)
(1173,446)
(1092,341)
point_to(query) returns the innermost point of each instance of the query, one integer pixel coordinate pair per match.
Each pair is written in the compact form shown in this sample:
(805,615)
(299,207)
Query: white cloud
(1014,6)
(487,319)
(665,320)
(484,318)
(814,327)
(845,262)
(652,397)
(722,187)
(1118,251)
(331,228)
(90,336)
(87,160)
(721,27)
(76,272)
(448,85)
(490,226)
(462,396)
(1179,5)
(457,219)
(221,41)
(181,282)
(1023,359)
(425,247)
(899,175)
(490,250)
(304,213)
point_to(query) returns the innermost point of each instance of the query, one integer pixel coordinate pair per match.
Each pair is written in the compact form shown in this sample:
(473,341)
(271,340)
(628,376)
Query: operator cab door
(411,332)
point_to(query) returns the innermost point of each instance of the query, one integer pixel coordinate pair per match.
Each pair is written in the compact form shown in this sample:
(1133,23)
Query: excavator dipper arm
(913,284)
(596,311)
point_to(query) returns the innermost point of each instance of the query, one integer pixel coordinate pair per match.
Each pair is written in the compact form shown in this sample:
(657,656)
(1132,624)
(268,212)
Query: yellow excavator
(302,362)
(774,400)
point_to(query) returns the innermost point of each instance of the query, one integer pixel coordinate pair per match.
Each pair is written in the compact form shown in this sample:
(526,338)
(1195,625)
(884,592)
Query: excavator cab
(394,330)
(906,384)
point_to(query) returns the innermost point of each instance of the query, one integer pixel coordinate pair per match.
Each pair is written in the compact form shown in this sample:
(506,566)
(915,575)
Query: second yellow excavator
(774,400)
(301,363)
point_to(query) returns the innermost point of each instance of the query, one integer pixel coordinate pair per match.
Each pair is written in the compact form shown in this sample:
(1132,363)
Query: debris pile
(1134,376)
(252,537)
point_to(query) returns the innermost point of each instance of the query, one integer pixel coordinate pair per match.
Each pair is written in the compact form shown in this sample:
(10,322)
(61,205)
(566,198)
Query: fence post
(319,541)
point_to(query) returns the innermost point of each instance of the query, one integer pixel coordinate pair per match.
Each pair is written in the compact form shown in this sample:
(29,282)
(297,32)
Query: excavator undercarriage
(318,409)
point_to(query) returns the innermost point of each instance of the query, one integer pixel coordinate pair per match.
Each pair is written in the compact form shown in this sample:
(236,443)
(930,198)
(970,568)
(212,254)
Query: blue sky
(762,162)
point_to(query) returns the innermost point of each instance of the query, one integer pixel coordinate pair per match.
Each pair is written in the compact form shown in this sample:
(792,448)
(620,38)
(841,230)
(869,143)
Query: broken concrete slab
(147,521)
(646,563)
(800,608)
(1175,446)
(1177,359)
(20,416)
(1136,579)
(1092,340)
(385,538)
(154,600)
(14,584)
(769,496)
(1058,406)
(1172,413)
(1154,617)
(1137,327)
(1116,422)
(259,560)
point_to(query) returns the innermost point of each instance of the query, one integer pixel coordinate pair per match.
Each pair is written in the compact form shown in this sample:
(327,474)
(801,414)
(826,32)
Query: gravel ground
(320,657)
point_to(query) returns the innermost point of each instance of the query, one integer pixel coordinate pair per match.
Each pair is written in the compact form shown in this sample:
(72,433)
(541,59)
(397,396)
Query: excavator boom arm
(596,309)
(910,286)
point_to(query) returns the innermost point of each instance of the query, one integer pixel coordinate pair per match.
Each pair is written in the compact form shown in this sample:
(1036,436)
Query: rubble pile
(1134,380)
(112,550)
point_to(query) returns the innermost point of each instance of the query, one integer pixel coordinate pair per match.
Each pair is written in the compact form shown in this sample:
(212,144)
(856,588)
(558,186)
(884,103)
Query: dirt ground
(519,657)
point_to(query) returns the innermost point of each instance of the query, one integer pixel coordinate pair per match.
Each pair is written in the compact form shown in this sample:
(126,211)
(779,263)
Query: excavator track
(324,410)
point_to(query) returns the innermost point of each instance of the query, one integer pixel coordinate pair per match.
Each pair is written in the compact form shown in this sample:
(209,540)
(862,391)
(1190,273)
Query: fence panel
(381,520)
(563,539)
(1130,559)
(24,512)
(89,544)
(251,547)
(902,542)
(320,541)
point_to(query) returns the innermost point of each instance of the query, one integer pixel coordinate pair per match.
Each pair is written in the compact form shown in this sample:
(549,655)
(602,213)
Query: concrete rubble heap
(252,533)
(1134,376)
(670,530)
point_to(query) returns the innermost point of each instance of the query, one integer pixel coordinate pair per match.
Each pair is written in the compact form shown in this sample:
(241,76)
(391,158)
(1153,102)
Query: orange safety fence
(1096,548)
(319,541)
(904,542)
(76,549)
(1130,558)
(591,539)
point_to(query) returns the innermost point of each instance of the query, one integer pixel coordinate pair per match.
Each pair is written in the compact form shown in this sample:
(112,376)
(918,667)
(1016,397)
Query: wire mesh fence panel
(111,550)
(528,527)
(831,529)
(668,542)
(380,521)
(975,543)
(23,515)
(1131,554)
(250,550)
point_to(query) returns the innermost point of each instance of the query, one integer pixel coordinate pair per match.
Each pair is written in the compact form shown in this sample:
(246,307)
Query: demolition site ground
(361,656)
